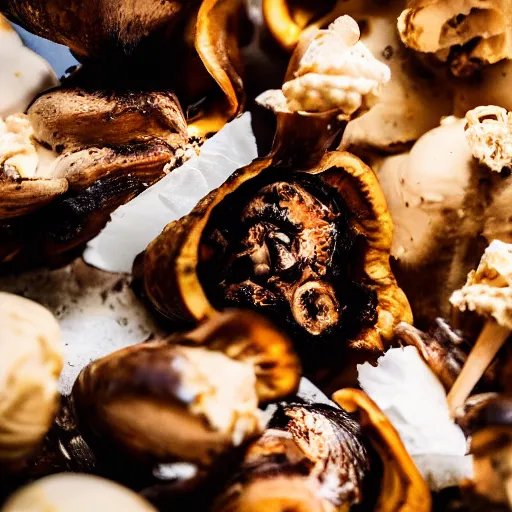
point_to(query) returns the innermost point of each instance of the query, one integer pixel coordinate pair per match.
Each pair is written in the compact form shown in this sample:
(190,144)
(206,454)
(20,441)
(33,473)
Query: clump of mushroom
(192,397)
(409,104)
(30,363)
(116,133)
(281,235)
(465,34)
(488,291)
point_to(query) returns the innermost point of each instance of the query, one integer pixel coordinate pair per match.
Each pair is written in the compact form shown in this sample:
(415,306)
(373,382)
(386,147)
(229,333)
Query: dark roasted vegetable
(191,397)
(118,122)
(311,458)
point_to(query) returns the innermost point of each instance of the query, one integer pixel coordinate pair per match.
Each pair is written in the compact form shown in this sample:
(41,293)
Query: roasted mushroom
(30,363)
(302,237)
(81,493)
(191,397)
(119,128)
(410,104)
(465,34)
(318,458)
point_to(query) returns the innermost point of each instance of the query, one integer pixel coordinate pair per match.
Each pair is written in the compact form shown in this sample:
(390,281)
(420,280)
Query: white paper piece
(97,312)
(135,224)
(414,401)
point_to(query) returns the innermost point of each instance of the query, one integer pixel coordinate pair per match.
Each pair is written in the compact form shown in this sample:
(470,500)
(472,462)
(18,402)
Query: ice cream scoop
(446,207)
(30,364)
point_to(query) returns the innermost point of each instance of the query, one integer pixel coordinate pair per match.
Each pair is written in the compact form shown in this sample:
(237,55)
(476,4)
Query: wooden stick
(491,339)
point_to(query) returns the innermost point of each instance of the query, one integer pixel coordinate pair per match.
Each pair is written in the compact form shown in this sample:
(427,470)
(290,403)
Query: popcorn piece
(18,155)
(489,135)
(337,72)
(488,290)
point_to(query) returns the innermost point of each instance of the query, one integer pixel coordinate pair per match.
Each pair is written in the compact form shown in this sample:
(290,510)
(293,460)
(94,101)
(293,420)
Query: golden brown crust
(217,45)
(403,488)
(19,198)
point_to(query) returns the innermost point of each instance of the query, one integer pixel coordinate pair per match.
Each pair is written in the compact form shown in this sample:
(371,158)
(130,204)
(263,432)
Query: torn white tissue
(414,401)
(135,224)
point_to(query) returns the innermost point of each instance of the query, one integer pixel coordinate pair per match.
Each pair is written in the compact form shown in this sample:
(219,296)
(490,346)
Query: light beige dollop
(18,155)
(23,73)
(489,135)
(488,290)
(446,208)
(220,389)
(30,364)
(337,72)
(71,492)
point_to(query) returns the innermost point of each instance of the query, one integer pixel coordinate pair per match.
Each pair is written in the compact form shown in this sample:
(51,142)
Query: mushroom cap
(100,29)
(64,492)
(30,363)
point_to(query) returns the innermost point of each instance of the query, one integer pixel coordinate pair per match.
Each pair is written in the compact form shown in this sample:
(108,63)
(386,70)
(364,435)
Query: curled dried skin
(286,257)
(311,458)
(446,350)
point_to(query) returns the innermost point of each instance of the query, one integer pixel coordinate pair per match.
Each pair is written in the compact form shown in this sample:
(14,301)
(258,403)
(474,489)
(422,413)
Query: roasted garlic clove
(30,363)
(311,458)
(465,34)
(250,338)
(81,493)
(192,401)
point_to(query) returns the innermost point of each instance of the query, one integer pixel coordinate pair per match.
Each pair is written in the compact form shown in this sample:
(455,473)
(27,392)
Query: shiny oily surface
(66,492)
